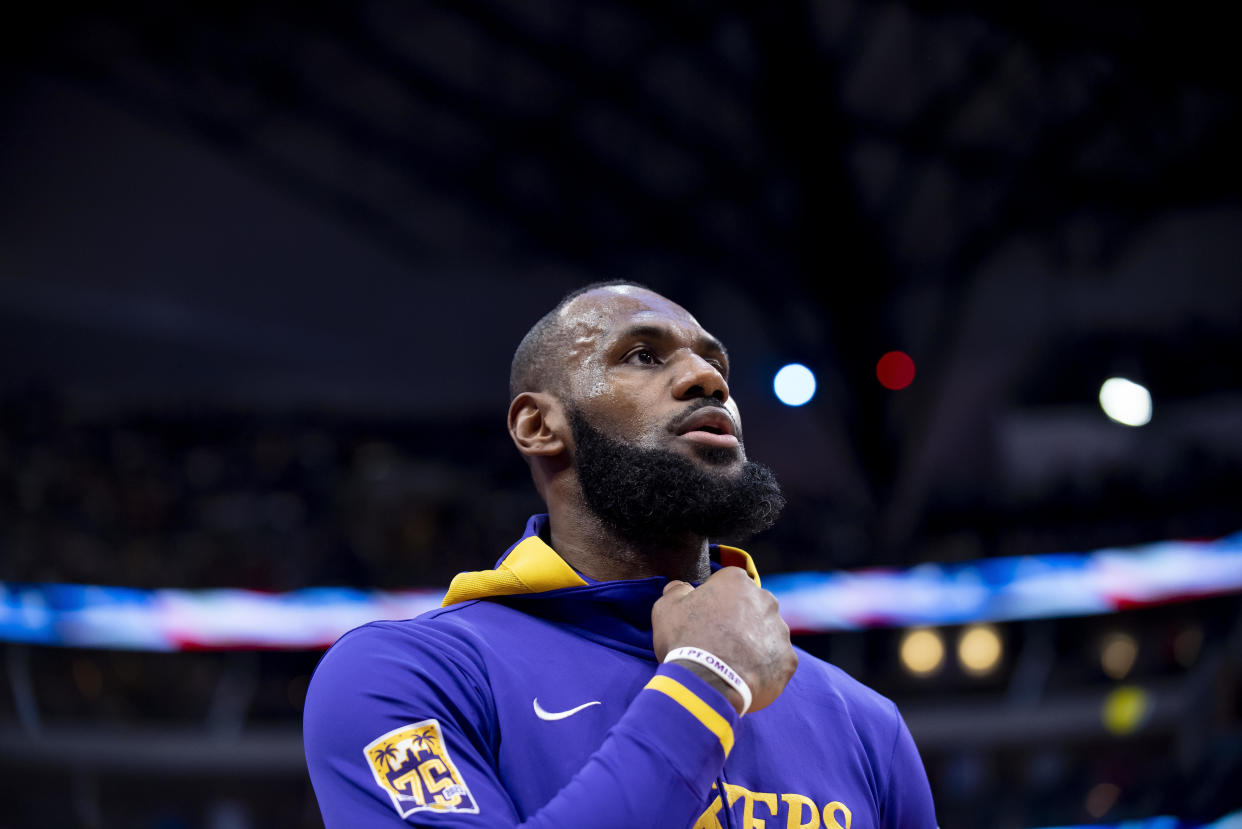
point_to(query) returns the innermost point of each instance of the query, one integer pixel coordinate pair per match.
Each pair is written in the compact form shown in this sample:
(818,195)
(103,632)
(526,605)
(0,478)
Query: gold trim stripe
(733,557)
(703,712)
(532,567)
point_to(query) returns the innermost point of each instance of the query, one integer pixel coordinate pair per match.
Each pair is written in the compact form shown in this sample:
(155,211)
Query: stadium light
(1118,652)
(979,649)
(1125,401)
(794,384)
(922,651)
(1101,798)
(1126,709)
(895,370)
(1187,645)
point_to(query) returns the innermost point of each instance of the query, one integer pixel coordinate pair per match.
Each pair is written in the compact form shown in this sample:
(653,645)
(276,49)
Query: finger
(677,588)
(728,573)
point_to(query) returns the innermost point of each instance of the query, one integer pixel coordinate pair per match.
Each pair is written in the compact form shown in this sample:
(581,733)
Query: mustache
(703,403)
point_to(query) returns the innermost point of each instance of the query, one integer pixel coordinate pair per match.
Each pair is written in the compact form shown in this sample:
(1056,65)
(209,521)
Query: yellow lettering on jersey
(711,818)
(830,815)
(797,803)
(752,822)
(749,821)
(800,811)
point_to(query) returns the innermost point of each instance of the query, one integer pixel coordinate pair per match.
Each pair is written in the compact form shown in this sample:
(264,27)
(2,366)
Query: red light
(895,370)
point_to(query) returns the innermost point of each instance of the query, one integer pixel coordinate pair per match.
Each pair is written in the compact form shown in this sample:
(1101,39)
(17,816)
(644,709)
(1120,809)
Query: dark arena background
(263,265)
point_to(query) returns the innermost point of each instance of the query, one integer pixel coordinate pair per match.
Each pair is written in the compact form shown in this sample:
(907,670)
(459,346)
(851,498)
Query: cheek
(590,381)
(596,387)
(611,415)
(620,415)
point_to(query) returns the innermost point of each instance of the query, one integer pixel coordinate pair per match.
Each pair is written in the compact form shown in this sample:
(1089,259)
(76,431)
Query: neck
(595,550)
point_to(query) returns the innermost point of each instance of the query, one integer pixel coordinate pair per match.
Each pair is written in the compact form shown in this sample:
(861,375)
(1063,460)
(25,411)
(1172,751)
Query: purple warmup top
(533,699)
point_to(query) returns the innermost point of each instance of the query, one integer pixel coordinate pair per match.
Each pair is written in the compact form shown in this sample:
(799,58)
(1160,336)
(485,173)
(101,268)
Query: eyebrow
(705,341)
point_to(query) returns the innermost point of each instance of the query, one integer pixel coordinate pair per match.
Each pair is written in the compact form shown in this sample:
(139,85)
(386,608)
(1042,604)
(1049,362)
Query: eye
(643,356)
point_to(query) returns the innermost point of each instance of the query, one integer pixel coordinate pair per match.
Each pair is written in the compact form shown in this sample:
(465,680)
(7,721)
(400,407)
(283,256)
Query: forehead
(617,308)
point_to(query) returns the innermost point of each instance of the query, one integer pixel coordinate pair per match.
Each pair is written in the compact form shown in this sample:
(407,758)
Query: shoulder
(461,622)
(901,786)
(827,677)
(458,640)
(446,638)
(404,671)
(399,688)
(824,687)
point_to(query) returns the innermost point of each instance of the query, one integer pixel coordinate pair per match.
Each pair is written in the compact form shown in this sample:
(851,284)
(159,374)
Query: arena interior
(263,266)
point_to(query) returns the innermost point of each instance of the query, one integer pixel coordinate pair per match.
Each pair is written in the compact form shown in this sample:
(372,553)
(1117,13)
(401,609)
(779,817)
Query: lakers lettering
(412,765)
(767,810)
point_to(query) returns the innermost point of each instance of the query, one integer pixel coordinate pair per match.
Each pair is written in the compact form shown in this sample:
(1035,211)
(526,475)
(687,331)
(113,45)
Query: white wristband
(716,666)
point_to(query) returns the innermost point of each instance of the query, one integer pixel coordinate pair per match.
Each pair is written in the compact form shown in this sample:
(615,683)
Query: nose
(698,378)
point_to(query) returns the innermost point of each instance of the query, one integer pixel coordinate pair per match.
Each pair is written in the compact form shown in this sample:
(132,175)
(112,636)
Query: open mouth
(711,426)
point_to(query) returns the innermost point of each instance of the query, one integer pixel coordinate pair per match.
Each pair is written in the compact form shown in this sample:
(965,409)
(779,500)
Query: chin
(719,457)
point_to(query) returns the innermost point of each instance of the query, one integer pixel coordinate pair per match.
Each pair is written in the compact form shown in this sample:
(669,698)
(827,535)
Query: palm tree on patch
(386,756)
(425,742)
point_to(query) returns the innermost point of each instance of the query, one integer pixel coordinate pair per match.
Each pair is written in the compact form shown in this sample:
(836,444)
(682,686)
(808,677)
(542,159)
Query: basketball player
(615,669)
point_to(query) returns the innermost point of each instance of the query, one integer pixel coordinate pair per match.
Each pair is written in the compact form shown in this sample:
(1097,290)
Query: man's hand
(729,616)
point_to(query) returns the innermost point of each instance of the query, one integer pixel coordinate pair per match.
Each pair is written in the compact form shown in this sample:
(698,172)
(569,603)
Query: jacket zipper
(727,823)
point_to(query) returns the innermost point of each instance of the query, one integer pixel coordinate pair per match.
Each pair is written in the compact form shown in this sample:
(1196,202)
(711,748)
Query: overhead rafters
(861,157)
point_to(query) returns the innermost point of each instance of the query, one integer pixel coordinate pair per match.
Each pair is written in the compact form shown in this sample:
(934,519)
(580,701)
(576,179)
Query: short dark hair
(531,369)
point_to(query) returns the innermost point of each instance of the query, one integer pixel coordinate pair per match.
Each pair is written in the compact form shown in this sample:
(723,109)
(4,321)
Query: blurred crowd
(279,502)
(258,501)
(282,501)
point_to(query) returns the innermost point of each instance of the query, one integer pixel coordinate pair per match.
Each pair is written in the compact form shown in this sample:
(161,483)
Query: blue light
(794,384)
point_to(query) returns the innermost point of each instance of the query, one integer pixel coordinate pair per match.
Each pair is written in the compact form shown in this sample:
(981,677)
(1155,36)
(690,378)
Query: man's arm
(654,768)
(393,730)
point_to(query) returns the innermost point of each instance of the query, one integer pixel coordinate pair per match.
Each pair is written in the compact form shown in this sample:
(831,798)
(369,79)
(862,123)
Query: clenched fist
(731,617)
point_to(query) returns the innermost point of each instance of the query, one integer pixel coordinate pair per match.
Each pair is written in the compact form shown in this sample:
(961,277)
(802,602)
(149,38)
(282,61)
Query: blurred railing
(986,590)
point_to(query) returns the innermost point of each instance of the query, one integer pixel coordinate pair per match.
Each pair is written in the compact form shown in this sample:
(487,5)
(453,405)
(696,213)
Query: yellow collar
(534,567)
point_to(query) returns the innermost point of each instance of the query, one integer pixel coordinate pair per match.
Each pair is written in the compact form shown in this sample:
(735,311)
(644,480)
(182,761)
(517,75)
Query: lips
(710,425)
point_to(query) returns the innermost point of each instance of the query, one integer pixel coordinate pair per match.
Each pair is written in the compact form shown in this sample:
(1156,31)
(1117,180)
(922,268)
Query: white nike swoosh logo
(552,716)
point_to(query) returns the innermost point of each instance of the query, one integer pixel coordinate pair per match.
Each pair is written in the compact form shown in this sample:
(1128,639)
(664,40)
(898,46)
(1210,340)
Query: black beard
(653,496)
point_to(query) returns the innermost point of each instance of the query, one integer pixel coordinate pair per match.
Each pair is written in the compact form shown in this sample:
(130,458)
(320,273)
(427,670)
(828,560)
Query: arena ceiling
(362,206)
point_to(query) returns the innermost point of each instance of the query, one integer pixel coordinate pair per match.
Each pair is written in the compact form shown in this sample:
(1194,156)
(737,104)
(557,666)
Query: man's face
(644,372)
(656,436)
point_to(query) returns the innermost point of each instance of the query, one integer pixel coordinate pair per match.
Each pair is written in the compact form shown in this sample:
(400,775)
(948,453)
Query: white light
(794,384)
(1125,402)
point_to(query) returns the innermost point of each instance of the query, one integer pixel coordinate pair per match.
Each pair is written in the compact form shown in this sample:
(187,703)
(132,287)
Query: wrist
(737,689)
(726,690)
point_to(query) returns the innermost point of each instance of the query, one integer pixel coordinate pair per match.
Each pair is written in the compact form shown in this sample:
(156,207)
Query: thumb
(677,588)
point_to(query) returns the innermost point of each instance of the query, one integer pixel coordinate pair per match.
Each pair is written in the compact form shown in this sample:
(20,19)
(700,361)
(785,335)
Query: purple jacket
(533,698)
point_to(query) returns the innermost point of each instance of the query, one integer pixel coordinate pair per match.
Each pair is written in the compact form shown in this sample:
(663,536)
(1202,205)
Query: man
(540,694)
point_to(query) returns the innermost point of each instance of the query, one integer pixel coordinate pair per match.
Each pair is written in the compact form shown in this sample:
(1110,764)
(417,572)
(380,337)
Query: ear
(537,424)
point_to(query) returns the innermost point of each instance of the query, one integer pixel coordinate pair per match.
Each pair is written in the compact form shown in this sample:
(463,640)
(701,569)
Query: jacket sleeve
(396,733)
(907,802)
